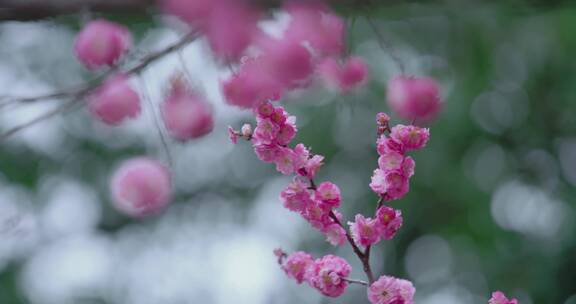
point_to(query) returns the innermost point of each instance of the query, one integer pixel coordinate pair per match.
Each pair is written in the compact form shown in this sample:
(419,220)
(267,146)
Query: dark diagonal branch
(76,94)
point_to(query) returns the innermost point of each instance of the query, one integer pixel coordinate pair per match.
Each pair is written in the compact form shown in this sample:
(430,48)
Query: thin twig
(384,45)
(354,281)
(156,120)
(38,119)
(78,93)
(361,255)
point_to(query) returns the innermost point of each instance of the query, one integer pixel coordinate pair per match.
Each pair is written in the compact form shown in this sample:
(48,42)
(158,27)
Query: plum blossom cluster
(101,43)
(274,131)
(327,274)
(414,98)
(499,297)
(266,69)
(390,290)
(312,44)
(391,179)
(317,203)
(368,231)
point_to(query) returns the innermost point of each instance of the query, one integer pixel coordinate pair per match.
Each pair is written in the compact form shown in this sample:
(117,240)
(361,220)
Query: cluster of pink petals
(343,77)
(498,297)
(389,221)
(410,137)
(114,101)
(368,231)
(251,85)
(271,137)
(215,19)
(314,24)
(414,97)
(274,130)
(141,187)
(327,274)
(390,290)
(296,264)
(391,179)
(286,63)
(186,114)
(102,43)
(315,206)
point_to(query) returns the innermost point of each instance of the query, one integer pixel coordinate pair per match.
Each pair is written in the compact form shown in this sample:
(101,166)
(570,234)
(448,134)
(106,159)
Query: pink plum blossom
(335,234)
(265,109)
(364,230)
(284,160)
(328,194)
(315,24)
(194,12)
(114,101)
(408,165)
(317,215)
(246,131)
(141,187)
(295,196)
(388,221)
(390,290)
(296,265)
(326,274)
(266,131)
(267,153)
(312,165)
(232,135)
(286,133)
(102,43)
(414,97)
(386,144)
(251,86)
(411,137)
(186,115)
(302,155)
(343,77)
(391,160)
(227,15)
(287,61)
(382,119)
(392,185)
(498,297)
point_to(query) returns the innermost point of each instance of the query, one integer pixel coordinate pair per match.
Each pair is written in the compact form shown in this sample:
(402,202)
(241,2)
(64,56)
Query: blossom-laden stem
(363,256)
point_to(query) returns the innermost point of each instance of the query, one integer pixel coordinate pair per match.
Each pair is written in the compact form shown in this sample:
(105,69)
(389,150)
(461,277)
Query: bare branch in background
(30,10)
(19,10)
(74,95)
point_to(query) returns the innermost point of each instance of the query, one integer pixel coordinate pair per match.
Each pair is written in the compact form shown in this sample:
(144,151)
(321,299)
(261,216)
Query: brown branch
(76,94)
(18,10)
(32,10)
(365,259)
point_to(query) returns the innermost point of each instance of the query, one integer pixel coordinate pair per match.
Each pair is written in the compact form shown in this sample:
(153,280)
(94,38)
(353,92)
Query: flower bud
(102,43)
(186,115)
(141,187)
(114,101)
(414,98)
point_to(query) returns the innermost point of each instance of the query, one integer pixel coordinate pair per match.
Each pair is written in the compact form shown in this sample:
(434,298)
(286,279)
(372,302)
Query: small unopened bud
(382,119)
(247,131)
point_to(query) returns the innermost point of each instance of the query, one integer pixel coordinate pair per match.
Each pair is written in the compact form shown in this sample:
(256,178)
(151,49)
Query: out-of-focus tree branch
(77,94)
(29,10)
